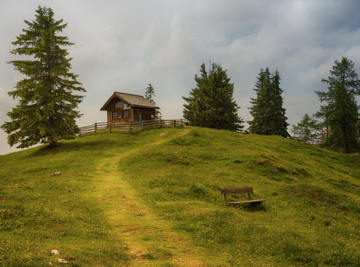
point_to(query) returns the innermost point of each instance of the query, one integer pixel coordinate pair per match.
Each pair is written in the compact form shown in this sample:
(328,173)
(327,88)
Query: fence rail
(130,127)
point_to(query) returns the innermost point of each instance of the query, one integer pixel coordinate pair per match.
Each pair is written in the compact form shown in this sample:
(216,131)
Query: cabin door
(137,115)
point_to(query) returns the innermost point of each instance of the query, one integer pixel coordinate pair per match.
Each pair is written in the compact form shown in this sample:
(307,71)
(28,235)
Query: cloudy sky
(125,45)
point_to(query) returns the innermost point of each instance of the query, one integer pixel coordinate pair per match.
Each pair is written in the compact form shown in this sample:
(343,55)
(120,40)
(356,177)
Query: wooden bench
(243,190)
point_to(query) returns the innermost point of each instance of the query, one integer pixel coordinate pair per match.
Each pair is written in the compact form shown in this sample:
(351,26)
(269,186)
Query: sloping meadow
(310,216)
(47,203)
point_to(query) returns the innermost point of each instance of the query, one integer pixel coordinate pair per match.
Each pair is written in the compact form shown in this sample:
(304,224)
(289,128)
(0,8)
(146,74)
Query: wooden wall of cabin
(135,114)
(143,114)
(146,113)
(120,113)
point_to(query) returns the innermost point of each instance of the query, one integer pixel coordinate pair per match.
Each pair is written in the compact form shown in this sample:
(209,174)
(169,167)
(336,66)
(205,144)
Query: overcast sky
(125,45)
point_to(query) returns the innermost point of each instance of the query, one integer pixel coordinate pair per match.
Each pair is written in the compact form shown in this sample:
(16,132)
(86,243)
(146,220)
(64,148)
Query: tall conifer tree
(280,125)
(211,103)
(267,108)
(341,114)
(149,93)
(46,109)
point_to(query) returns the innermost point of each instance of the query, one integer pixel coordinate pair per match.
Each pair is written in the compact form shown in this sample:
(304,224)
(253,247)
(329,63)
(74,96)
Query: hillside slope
(153,200)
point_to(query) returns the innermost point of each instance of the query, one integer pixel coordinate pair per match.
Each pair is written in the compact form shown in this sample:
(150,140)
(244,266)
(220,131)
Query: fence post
(174,123)
(142,124)
(110,127)
(95,127)
(130,127)
(181,123)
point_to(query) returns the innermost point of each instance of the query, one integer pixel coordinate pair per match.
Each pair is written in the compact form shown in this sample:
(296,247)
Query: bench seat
(246,201)
(244,190)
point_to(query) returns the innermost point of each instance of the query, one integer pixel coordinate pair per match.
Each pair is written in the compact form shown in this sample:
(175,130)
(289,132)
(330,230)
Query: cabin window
(114,115)
(119,104)
(126,114)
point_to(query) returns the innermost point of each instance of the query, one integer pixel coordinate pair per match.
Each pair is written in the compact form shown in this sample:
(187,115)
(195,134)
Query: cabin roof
(131,99)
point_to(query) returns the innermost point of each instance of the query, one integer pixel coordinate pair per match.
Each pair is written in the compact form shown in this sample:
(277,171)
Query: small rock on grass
(55,173)
(56,252)
(63,261)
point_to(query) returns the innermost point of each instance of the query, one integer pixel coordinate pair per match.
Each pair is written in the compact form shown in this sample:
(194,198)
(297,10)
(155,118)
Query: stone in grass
(63,261)
(55,173)
(56,252)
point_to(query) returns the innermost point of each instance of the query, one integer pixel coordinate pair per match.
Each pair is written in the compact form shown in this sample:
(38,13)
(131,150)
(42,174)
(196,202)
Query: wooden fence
(130,127)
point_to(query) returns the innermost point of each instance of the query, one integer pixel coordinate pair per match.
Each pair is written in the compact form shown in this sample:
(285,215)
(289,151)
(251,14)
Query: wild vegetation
(152,199)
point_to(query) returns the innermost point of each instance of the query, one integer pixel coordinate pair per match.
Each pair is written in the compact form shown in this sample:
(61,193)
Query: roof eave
(103,108)
(139,106)
(115,95)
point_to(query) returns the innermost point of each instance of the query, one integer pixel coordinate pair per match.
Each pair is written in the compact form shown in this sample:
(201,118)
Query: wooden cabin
(122,107)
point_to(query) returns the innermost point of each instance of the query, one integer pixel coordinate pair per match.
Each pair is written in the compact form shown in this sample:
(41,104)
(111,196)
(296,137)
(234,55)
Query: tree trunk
(53,144)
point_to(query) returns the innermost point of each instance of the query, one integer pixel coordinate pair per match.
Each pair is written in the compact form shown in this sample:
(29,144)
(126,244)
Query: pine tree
(280,125)
(46,109)
(306,129)
(211,103)
(259,109)
(195,108)
(267,108)
(341,115)
(149,93)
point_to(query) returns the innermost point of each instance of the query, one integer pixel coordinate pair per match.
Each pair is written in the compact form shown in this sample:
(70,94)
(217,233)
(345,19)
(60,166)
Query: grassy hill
(152,199)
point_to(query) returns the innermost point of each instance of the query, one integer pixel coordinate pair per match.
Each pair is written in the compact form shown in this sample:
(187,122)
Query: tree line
(211,104)
(46,111)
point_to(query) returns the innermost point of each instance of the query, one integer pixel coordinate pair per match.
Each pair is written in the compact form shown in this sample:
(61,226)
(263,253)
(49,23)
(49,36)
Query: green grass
(40,212)
(311,214)
(165,190)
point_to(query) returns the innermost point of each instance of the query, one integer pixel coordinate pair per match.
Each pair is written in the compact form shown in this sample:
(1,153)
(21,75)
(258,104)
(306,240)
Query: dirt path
(149,240)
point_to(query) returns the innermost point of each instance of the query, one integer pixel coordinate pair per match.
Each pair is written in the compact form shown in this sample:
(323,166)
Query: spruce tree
(340,115)
(306,129)
(211,103)
(279,119)
(259,109)
(267,108)
(46,109)
(149,93)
